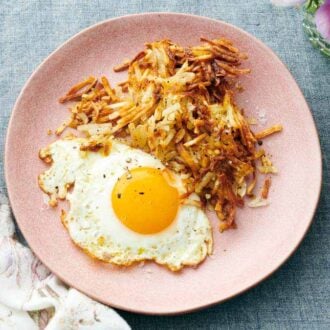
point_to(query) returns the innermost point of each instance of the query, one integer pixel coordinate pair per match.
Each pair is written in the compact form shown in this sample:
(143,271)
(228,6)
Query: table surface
(297,296)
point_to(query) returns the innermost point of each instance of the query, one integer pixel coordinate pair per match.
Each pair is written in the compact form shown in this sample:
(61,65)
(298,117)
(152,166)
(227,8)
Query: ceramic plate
(265,237)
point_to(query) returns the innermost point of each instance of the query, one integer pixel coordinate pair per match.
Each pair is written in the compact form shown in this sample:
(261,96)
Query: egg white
(92,223)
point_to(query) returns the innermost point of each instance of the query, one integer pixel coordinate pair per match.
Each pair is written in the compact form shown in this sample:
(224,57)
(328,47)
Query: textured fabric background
(295,297)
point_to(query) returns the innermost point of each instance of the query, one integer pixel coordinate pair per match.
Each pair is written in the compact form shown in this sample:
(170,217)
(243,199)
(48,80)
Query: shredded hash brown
(177,104)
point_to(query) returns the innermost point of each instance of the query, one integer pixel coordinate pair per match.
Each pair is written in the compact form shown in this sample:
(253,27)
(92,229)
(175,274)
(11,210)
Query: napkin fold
(31,297)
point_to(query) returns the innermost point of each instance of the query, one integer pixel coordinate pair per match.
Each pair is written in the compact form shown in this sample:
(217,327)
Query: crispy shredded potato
(265,188)
(268,131)
(177,104)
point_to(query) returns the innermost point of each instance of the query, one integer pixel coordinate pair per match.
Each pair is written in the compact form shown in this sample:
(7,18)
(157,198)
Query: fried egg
(126,206)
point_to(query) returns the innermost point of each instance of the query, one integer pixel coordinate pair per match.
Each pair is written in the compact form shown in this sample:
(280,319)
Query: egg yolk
(144,201)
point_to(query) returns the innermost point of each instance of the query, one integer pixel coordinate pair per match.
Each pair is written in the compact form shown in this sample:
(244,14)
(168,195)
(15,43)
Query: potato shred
(177,104)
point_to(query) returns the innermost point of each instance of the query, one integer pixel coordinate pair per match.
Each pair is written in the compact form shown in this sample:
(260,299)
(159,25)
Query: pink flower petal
(322,20)
(287,3)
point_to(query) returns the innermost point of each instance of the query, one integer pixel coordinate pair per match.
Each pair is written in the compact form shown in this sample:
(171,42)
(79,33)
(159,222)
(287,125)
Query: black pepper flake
(118,196)
(260,143)
(141,193)
(104,176)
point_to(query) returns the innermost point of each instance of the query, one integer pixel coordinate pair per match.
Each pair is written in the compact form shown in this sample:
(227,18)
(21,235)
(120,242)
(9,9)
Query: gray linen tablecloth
(295,297)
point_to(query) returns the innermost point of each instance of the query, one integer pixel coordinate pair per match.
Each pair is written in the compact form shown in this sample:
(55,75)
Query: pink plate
(265,237)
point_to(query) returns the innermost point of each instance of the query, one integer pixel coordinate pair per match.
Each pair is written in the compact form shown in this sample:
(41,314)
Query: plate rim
(211,20)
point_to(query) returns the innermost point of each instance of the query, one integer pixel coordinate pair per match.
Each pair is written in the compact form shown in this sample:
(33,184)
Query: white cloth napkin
(31,297)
